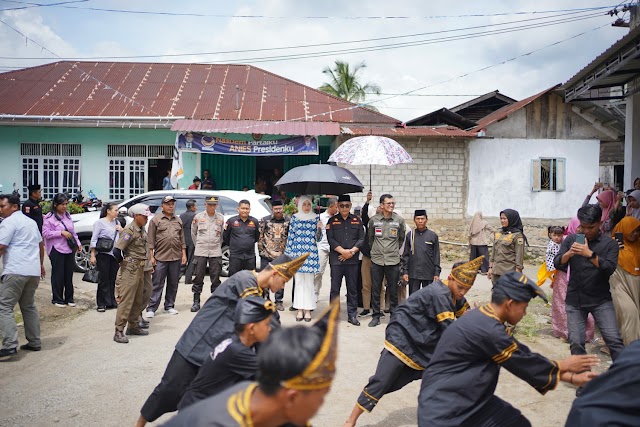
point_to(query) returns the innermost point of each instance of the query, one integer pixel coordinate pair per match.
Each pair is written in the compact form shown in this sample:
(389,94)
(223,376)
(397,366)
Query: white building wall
(435,181)
(500,176)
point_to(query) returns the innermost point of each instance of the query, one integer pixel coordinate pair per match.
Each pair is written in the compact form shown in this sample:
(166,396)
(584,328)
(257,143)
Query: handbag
(71,241)
(105,244)
(91,275)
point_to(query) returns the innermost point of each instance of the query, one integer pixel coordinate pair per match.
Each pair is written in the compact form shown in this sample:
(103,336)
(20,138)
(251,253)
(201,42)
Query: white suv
(227,206)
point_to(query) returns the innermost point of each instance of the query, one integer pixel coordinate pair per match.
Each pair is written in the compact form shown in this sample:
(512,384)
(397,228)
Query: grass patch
(531,325)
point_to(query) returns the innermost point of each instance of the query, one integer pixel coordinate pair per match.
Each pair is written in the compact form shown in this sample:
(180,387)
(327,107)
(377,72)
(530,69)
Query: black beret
(518,287)
(253,309)
(344,198)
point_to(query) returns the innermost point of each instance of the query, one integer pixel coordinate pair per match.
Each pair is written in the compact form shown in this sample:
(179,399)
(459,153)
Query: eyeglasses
(344,205)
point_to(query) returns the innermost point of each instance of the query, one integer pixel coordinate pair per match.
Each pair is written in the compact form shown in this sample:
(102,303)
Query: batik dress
(302,239)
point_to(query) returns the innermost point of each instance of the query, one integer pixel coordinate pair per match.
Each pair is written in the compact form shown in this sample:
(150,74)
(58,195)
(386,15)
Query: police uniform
(347,233)
(133,244)
(241,237)
(206,232)
(32,208)
(507,254)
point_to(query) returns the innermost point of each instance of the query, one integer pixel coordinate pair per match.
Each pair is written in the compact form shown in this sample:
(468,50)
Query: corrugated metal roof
(419,131)
(197,91)
(510,109)
(255,126)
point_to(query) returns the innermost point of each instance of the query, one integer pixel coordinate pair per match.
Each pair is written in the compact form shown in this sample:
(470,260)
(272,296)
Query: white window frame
(56,167)
(130,161)
(557,174)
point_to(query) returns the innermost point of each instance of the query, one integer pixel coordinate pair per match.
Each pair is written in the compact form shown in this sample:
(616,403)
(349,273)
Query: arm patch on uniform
(127,237)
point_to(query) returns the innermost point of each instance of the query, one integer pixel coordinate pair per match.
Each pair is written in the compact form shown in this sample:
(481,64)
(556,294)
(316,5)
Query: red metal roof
(419,131)
(197,91)
(254,126)
(509,109)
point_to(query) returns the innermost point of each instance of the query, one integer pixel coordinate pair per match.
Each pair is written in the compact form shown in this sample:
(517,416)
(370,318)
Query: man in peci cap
(31,207)
(296,367)
(206,233)
(421,257)
(413,332)
(459,383)
(131,252)
(274,230)
(345,234)
(234,359)
(213,324)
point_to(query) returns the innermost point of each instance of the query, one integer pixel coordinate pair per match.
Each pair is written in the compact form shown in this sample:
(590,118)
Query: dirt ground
(81,377)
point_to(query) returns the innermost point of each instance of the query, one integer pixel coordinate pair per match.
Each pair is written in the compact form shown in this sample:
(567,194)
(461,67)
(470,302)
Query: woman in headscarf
(508,246)
(303,237)
(477,234)
(559,286)
(633,204)
(625,281)
(607,201)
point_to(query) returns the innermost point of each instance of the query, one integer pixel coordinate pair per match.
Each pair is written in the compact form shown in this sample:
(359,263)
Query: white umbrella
(371,150)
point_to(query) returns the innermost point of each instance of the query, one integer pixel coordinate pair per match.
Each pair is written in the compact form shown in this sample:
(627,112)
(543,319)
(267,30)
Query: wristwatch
(593,255)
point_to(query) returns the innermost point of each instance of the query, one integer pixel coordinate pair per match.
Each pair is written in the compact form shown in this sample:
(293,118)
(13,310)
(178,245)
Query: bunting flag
(177,170)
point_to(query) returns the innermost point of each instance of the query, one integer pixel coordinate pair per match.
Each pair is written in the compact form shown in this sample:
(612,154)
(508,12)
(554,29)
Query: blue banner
(297,145)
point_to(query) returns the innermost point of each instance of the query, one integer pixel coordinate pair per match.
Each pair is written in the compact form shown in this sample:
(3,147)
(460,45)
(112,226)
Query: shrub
(72,208)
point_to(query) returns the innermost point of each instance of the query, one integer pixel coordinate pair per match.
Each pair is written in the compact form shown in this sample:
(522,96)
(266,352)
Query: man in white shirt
(323,245)
(22,250)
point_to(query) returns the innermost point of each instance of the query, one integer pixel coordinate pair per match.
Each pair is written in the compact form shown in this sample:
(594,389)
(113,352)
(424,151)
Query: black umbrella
(319,179)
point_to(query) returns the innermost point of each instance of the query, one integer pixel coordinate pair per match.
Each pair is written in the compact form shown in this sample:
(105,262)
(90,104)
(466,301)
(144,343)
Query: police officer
(241,232)
(206,232)
(131,251)
(345,235)
(31,207)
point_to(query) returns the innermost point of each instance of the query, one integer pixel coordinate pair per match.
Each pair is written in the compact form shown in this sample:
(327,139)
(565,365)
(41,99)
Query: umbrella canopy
(371,150)
(319,179)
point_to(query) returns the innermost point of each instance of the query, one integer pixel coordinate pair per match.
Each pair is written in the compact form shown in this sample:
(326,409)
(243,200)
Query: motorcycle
(92,203)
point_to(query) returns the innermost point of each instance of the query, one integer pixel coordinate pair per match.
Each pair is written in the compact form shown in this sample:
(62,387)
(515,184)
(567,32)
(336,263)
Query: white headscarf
(301,214)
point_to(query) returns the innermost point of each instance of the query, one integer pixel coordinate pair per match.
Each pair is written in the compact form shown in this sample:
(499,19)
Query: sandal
(307,319)
(298,317)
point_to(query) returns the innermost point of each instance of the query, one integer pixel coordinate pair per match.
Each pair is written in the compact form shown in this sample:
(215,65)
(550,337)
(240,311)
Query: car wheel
(82,258)
(225,261)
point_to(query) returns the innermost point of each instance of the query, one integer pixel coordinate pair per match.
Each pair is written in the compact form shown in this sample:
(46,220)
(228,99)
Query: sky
(445,71)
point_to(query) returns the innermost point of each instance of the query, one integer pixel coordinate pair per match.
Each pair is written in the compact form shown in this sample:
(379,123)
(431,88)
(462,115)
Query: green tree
(344,83)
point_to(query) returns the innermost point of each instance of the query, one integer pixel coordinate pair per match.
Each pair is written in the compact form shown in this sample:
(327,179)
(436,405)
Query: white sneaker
(149,314)
(171,311)
(60,305)
(71,304)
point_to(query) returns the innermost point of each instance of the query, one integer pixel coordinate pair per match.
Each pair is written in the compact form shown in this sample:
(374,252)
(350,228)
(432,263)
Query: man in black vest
(31,207)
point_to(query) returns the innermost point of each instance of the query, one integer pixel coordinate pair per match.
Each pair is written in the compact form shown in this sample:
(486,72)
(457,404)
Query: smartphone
(620,238)
(580,238)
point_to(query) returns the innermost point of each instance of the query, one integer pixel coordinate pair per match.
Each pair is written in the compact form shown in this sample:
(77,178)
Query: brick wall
(436,181)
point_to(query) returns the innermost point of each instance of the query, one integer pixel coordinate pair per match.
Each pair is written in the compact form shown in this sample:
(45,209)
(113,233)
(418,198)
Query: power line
(32,5)
(475,27)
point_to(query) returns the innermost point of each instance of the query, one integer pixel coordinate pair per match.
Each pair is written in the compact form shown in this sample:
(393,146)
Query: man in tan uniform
(131,252)
(206,232)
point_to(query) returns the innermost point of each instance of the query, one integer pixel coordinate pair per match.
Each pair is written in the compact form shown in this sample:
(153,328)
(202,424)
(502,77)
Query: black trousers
(392,274)
(215,267)
(477,251)
(417,284)
(106,292)
(169,270)
(239,264)
(359,285)
(166,396)
(188,270)
(61,276)
(350,274)
(391,375)
(498,413)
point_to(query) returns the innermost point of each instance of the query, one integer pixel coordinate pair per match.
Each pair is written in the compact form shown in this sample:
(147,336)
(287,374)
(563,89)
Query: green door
(230,172)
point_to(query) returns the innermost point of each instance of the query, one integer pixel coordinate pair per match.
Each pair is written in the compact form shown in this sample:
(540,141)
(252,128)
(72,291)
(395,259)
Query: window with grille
(56,167)
(548,174)
(127,170)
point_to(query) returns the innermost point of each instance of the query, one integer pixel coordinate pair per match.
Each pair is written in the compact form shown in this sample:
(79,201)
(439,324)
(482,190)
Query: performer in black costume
(413,332)
(295,369)
(612,399)
(213,323)
(234,359)
(459,383)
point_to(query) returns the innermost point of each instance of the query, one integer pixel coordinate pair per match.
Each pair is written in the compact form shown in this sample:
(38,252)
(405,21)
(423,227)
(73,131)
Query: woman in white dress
(303,238)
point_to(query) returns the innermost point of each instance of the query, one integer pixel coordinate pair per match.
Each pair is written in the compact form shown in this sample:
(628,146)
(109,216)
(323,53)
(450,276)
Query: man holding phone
(593,258)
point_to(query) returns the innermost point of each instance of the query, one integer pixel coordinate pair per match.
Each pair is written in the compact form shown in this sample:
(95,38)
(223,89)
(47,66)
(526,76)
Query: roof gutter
(119,118)
(89,121)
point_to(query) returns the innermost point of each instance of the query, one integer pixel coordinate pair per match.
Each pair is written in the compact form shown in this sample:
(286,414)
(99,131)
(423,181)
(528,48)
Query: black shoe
(292,309)
(382,314)
(279,306)
(353,321)
(374,322)
(136,331)
(143,325)
(196,303)
(101,309)
(387,310)
(7,352)
(364,313)
(29,347)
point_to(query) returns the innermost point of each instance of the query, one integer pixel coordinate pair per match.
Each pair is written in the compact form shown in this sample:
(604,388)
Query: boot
(196,303)
(136,331)
(120,337)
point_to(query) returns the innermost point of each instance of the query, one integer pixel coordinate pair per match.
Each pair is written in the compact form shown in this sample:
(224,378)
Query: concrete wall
(500,176)
(436,181)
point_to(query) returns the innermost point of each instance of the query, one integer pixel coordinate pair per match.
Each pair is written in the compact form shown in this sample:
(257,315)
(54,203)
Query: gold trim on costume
(363,408)
(238,406)
(505,354)
(288,269)
(487,310)
(441,317)
(556,368)
(463,310)
(403,357)
(466,273)
(320,372)
(369,396)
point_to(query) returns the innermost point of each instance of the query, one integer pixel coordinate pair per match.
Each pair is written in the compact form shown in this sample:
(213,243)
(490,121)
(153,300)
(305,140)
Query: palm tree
(344,83)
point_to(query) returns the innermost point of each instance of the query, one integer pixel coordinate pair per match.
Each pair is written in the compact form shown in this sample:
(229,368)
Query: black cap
(344,198)
(518,287)
(34,187)
(419,212)
(197,179)
(277,203)
(253,309)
